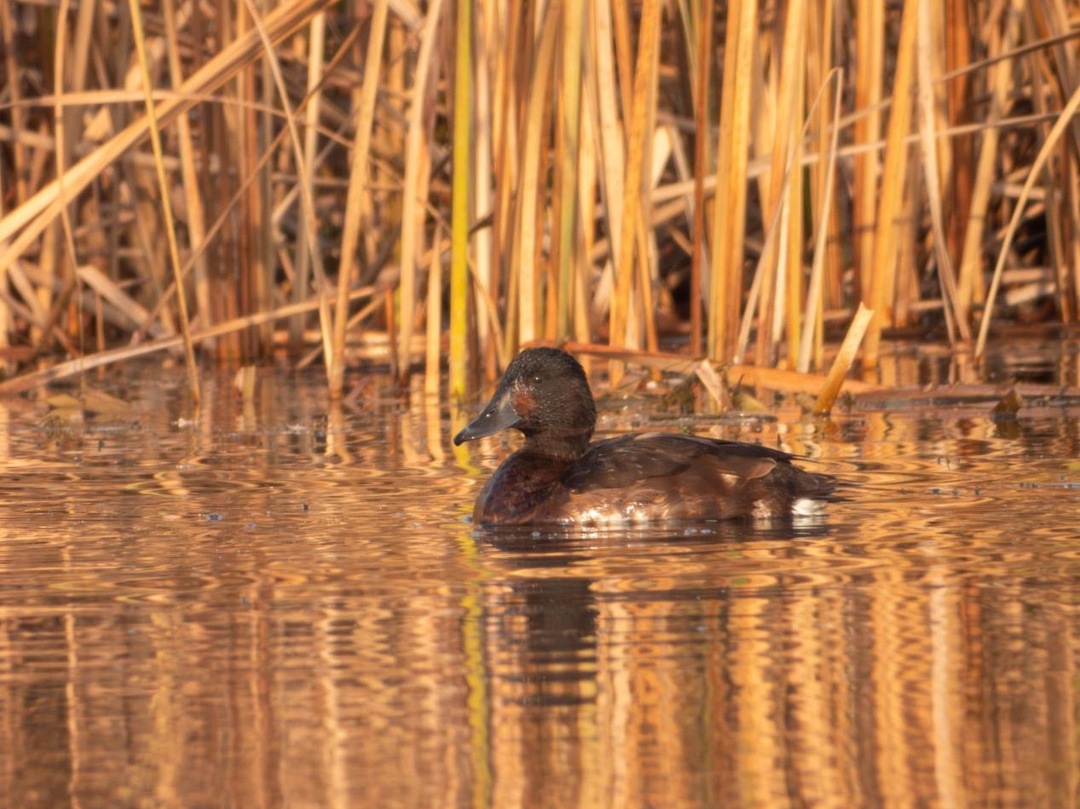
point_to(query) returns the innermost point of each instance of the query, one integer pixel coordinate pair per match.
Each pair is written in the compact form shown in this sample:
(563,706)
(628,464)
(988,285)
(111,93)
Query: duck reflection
(652,654)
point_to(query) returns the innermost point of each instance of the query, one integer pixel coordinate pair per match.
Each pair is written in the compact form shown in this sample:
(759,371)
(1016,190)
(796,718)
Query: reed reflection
(751,675)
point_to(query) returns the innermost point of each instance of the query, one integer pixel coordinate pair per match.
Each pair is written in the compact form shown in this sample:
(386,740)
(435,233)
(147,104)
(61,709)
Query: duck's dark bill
(498,415)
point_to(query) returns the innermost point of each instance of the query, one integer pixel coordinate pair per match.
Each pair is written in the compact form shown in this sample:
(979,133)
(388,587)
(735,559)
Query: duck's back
(659,476)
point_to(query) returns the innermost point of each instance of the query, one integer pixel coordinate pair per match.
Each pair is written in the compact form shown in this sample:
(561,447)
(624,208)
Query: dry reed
(693,177)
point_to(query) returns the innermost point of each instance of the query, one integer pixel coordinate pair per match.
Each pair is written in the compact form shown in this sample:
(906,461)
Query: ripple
(162,586)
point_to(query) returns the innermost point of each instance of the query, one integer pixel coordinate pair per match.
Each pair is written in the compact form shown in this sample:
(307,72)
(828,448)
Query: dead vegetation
(437,180)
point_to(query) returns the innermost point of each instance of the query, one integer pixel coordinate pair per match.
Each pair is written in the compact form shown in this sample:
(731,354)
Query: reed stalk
(485,40)
(412,209)
(845,356)
(970,284)
(459,214)
(525,250)
(193,200)
(893,175)
(870,55)
(638,146)
(433,354)
(570,99)
(957,173)
(61,154)
(955,322)
(728,225)
(813,310)
(702,153)
(166,204)
(305,179)
(354,222)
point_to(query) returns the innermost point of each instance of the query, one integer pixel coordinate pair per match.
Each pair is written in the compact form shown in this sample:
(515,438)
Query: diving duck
(561,477)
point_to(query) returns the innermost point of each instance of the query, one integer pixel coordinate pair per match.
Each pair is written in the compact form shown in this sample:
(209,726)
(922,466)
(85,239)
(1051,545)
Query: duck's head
(545,395)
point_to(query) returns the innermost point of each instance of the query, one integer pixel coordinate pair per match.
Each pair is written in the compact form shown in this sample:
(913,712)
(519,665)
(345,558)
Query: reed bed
(440,183)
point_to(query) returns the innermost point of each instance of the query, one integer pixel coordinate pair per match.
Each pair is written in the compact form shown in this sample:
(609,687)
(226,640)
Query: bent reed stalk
(651,178)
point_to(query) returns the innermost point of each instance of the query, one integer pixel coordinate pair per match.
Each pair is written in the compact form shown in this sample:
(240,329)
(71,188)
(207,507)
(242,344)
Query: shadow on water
(282,605)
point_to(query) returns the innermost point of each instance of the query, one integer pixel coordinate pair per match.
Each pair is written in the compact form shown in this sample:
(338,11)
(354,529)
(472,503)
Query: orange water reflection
(279,605)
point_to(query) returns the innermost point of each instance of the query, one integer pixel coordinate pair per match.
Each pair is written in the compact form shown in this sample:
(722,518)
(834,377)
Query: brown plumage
(559,477)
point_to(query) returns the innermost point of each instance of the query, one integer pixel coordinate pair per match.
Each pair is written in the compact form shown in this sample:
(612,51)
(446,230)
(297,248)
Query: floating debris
(1008,406)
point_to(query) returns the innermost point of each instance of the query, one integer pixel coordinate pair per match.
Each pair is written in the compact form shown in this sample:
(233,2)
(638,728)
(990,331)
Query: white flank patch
(805,507)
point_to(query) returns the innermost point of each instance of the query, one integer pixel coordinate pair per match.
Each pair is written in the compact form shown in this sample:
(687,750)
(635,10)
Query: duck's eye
(538,379)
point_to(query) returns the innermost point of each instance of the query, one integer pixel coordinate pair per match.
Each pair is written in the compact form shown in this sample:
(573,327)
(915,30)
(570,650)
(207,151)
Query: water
(283,604)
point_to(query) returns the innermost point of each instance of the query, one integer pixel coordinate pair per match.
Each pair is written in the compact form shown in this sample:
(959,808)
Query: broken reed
(733,175)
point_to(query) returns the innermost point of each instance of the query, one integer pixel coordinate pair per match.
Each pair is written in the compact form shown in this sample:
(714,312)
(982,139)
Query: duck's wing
(619,463)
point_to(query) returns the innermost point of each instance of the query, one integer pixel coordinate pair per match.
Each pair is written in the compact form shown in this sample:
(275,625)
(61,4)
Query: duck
(561,477)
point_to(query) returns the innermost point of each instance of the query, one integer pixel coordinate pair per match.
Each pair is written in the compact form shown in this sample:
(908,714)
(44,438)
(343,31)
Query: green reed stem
(459,202)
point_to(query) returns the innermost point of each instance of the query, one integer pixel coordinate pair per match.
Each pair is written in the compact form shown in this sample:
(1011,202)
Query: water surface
(274,602)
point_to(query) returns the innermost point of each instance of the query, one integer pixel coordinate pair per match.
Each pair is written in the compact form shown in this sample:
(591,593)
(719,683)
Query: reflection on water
(277,604)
